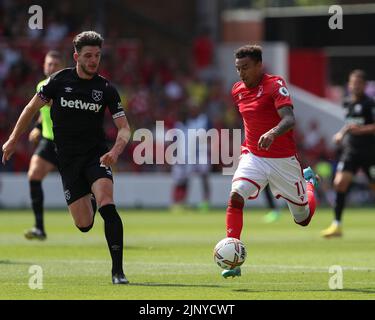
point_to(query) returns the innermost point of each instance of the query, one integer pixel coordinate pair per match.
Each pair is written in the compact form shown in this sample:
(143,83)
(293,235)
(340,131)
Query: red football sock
(311,198)
(312,203)
(234,218)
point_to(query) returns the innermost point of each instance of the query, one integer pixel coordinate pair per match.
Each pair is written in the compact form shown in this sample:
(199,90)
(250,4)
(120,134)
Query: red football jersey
(258,107)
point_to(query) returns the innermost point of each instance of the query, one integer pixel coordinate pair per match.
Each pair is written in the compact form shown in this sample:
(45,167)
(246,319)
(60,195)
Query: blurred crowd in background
(154,85)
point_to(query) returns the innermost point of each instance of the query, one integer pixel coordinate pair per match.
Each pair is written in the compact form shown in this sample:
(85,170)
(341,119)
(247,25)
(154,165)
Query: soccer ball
(230,253)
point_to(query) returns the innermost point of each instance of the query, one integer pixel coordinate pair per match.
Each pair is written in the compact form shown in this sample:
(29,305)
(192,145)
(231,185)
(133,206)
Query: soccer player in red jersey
(268,154)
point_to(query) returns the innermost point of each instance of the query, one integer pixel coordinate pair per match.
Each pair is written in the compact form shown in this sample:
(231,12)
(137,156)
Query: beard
(86,71)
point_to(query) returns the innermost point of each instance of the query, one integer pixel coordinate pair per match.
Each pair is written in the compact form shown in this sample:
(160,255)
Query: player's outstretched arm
(22,124)
(123,136)
(339,136)
(361,129)
(286,123)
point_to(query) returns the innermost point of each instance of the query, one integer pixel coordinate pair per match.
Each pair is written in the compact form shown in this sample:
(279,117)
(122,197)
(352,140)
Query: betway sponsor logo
(79,104)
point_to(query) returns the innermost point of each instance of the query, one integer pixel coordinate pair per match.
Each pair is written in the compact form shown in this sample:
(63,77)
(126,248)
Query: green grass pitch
(169,256)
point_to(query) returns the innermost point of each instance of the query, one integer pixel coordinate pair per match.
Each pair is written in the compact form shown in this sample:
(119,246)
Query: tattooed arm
(286,123)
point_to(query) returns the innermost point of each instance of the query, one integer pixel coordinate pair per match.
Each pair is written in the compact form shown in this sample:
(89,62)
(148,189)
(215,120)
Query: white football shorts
(284,176)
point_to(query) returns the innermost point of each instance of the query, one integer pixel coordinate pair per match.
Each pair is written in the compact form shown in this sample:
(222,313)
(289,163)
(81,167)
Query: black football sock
(36,193)
(114,234)
(339,205)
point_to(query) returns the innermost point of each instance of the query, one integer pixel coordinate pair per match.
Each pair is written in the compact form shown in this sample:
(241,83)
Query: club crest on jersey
(284,91)
(97,95)
(260,91)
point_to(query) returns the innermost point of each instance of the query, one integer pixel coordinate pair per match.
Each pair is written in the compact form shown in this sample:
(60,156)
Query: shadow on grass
(175,285)
(14,262)
(364,290)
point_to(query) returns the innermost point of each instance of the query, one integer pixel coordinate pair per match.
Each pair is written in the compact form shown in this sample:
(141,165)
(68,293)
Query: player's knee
(236,201)
(103,198)
(85,229)
(340,186)
(34,175)
(304,223)
(342,181)
(337,182)
(301,214)
(104,201)
(243,188)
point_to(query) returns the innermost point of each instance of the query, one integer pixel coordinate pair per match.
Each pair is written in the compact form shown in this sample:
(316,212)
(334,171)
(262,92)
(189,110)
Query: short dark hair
(54,54)
(87,38)
(358,73)
(253,51)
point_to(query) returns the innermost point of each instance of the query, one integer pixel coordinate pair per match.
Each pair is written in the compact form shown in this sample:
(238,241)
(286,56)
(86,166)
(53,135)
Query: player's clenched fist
(266,140)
